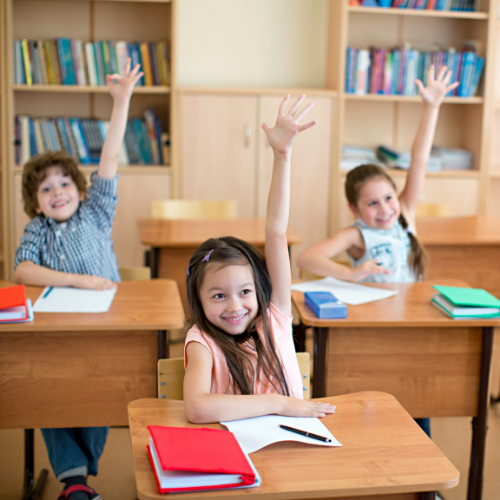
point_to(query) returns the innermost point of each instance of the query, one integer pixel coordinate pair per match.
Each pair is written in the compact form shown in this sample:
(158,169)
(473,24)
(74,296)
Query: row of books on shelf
(73,62)
(389,72)
(455,5)
(83,138)
(386,156)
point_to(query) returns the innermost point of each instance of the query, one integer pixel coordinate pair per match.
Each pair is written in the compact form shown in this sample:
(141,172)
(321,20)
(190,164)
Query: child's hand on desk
(436,88)
(367,268)
(122,86)
(287,127)
(92,282)
(293,407)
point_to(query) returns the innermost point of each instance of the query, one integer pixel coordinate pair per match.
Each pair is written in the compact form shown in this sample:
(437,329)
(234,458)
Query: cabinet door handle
(248,134)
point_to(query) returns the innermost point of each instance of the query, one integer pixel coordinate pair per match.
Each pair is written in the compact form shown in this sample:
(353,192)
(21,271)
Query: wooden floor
(116,474)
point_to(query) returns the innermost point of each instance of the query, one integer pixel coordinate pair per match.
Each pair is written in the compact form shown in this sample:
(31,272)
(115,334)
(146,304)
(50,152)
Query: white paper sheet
(74,300)
(256,433)
(349,293)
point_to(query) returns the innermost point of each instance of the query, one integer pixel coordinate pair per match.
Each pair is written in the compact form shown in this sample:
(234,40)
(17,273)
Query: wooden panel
(384,453)
(218,149)
(477,265)
(135,193)
(431,372)
(310,174)
(494,196)
(71,379)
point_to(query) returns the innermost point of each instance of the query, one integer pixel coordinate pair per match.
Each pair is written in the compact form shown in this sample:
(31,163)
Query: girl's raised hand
(122,86)
(287,127)
(436,88)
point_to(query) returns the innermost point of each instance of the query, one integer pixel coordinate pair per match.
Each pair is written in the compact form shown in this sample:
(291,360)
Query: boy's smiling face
(57,196)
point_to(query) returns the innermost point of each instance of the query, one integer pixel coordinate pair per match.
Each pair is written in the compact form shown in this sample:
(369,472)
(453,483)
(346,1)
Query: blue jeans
(76,451)
(425,425)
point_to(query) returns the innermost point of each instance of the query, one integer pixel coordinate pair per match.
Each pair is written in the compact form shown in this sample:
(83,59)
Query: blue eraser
(325,305)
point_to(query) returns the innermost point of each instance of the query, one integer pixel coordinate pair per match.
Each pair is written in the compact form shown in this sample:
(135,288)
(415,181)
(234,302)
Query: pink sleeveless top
(281,328)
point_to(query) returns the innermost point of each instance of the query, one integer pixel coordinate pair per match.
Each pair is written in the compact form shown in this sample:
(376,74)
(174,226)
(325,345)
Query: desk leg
(163,347)
(479,428)
(152,260)
(299,337)
(428,495)
(30,493)
(319,370)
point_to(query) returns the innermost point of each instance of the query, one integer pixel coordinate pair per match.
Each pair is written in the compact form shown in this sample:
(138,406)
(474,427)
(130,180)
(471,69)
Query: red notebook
(187,459)
(13,305)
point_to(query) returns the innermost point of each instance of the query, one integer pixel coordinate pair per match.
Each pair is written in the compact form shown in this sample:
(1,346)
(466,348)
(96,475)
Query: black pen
(307,434)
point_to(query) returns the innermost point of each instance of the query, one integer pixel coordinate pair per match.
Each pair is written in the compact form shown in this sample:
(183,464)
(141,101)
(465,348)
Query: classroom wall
(252,42)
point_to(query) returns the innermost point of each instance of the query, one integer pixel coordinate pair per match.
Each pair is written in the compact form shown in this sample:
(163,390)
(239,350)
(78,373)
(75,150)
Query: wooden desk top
(138,305)
(384,451)
(411,307)
(477,230)
(191,233)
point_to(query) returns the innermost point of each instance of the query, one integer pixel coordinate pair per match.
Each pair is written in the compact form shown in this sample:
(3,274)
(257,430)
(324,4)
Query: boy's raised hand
(282,135)
(122,86)
(436,88)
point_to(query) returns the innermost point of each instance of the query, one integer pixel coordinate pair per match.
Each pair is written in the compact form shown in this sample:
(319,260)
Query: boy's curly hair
(35,171)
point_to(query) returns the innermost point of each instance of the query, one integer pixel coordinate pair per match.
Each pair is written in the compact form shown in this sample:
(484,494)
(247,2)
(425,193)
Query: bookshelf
(88,20)
(3,184)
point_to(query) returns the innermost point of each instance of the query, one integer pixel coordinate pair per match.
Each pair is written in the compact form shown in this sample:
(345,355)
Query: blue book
(348,69)
(476,76)
(62,63)
(81,145)
(113,58)
(468,61)
(396,61)
(135,56)
(440,4)
(63,135)
(33,148)
(325,305)
(141,140)
(99,63)
(158,139)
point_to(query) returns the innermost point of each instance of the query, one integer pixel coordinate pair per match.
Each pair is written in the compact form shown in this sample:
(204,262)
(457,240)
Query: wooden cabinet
(218,149)
(225,155)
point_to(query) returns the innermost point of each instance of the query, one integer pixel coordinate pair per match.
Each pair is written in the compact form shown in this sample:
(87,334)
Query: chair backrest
(135,273)
(193,209)
(171,377)
(433,210)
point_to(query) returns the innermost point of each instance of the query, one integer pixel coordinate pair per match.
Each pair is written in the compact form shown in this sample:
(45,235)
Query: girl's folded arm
(317,258)
(202,407)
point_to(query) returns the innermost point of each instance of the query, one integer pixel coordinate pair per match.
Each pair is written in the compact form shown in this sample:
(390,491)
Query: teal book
(461,302)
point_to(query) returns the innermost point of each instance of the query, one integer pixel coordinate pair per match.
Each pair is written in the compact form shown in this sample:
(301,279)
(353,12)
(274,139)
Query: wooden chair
(193,209)
(433,210)
(171,376)
(135,273)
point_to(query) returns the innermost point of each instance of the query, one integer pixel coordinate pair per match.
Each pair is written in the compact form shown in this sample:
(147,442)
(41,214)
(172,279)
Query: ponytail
(417,258)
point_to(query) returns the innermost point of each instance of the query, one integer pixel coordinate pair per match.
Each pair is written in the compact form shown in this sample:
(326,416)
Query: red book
(13,304)
(186,459)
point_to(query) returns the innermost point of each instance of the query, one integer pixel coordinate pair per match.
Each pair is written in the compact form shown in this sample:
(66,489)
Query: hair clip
(207,257)
(407,230)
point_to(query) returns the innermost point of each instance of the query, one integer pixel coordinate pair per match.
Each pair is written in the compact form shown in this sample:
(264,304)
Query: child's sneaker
(76,489)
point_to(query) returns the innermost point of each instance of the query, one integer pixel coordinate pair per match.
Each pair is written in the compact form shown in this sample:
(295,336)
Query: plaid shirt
(85,246)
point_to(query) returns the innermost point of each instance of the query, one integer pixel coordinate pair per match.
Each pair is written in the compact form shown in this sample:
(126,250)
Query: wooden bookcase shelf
(418,13)
(129,20)
(159,89)
(409,99)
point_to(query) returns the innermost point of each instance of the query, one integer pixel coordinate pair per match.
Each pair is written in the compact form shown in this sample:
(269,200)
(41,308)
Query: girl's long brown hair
(233,251)
(355,180)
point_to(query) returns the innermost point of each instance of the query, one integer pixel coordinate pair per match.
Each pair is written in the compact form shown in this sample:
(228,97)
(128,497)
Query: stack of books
(393,72)
(65,61)
(453,159)
(185,459)
(460,5)
(396,158)
(466,303)
(83,139)
(14,306)
(353,156)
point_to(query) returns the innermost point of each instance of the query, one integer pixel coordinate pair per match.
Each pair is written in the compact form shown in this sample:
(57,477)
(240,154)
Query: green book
(461,302)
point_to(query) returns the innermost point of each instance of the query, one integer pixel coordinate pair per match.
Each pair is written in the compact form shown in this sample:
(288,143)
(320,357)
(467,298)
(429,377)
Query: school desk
(81,370)
(466,248)
(434,365)
(383,453)
(173,242)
